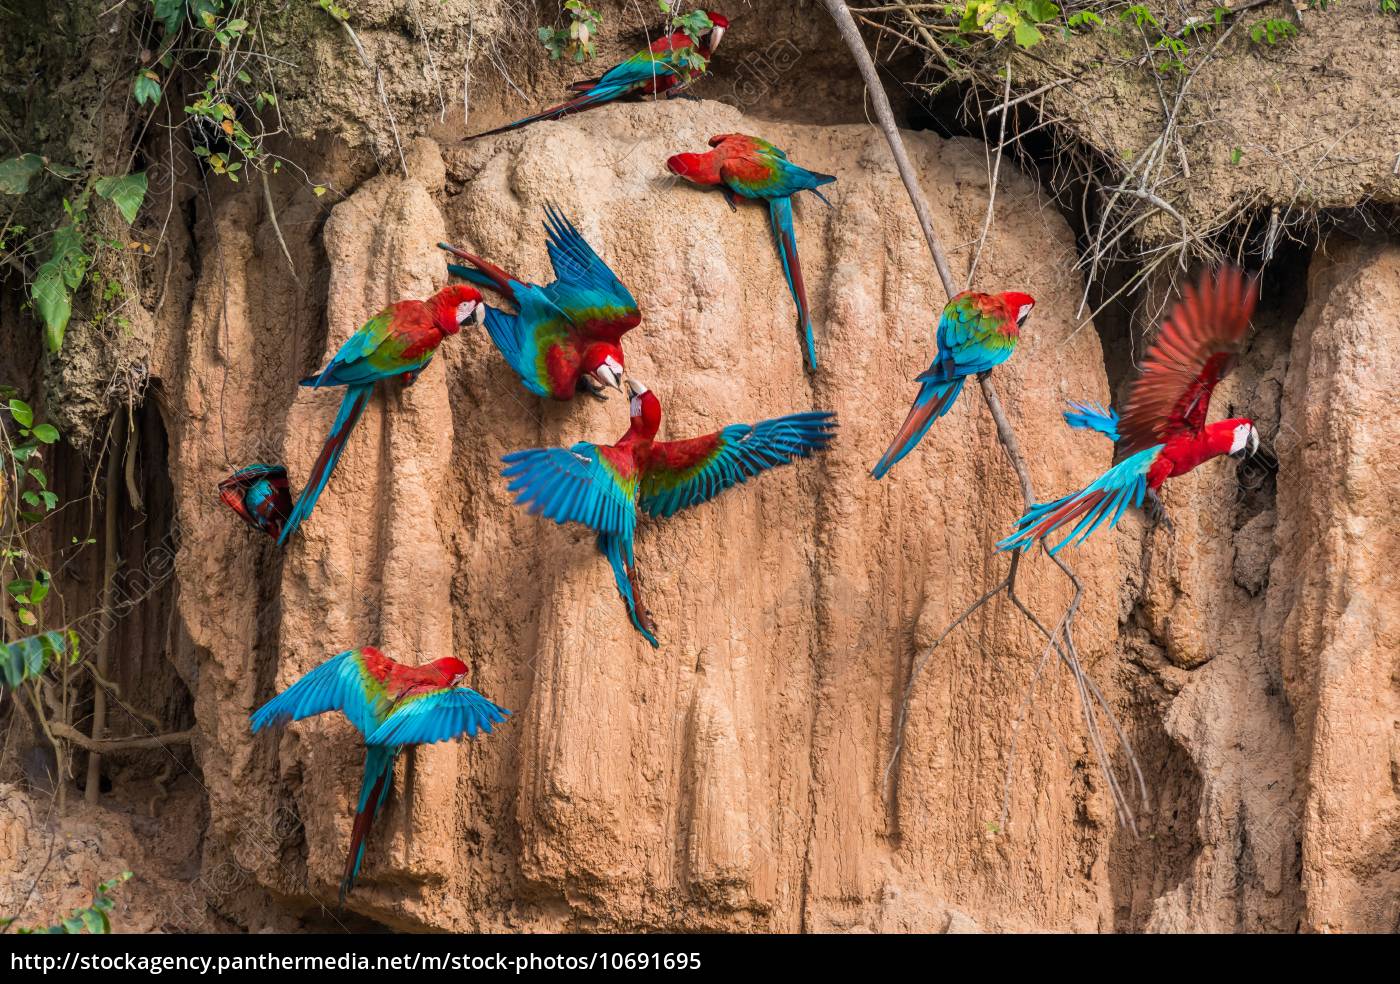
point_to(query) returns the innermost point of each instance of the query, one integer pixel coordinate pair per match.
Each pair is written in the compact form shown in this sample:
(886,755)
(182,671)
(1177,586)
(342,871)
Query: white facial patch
(1243,434)
(465,311)
(1024,313)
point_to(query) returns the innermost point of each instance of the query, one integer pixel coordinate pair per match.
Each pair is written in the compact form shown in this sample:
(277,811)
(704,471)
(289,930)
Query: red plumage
(1195,349)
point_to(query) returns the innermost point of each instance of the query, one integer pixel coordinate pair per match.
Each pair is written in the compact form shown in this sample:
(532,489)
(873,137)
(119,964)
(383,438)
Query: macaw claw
(1157,512)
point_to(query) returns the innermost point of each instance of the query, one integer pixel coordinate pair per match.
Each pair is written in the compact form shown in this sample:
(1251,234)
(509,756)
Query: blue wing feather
(439,716)
(742,451)
(573,485)
(1093,416)
(341,683)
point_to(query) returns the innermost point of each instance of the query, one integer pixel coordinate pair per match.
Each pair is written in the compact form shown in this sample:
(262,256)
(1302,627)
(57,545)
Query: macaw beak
(606,376)
(1251,447)
(471,312)
(634,388)
(715,34)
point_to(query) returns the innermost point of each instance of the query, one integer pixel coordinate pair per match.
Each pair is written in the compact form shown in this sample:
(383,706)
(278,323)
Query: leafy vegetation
(576,39)
(90,919)
(24,659)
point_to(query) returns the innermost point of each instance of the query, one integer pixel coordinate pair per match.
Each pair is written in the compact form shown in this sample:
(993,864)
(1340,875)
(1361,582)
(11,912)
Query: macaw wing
(438,715)
(974,335)
(350,682)
(686,473)
(580,484)
(760,175)
(535,340)
(597,303)
(659,60)
(374,351)
(758,143)
(1196,348)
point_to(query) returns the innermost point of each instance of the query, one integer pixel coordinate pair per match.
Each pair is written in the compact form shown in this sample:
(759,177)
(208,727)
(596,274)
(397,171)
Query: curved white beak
(606,376)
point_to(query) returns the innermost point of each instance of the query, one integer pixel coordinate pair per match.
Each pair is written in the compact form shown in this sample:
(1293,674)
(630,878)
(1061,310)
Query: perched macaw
(976,333)
(568,333)
(1163,431)
(667,68)
(392,705)
(600,486)
(754,168)
(398,342)
(260,495)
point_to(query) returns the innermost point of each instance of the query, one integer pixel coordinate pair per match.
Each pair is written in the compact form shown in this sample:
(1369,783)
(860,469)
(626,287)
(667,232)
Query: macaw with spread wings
(392,705)
(1163,431)
(600,486)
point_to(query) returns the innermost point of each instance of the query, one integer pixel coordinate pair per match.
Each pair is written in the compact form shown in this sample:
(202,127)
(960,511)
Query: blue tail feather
(379,777)
(936,397)
(472,275)
(352,407)
(618,550)
(785,238)
(1105,499)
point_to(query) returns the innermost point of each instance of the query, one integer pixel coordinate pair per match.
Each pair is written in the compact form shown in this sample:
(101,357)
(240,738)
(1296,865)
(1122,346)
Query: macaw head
(713,35)
(1243,436)
(603,362)
(260,496)
(645,409)
(1019,305)
(455,305)
(701,169)
(451,669)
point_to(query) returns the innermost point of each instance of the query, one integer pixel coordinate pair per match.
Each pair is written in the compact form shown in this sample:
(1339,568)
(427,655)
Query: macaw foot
(1157,512)
(729,198)
(409,378)
(593,388)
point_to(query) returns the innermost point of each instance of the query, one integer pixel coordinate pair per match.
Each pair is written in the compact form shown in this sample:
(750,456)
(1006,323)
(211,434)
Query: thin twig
(884,117)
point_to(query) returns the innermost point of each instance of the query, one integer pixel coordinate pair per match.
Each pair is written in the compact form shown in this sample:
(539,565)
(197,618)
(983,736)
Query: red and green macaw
(392,705)
(600,486)
(976,333)
(667,68)
(568,333)
(260,495)
(754,168)
(398,342)
(1163,431)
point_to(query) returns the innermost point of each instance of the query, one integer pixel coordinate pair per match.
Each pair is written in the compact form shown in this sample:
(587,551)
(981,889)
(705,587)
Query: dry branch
(1089,693)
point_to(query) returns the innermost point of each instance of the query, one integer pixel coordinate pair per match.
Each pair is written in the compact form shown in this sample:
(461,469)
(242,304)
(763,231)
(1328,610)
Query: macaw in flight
(392,705)
(600,486)
(667,68)
(567,333)
(754,168)
(260,495)
(398,342)
(1163,431)
(976,333)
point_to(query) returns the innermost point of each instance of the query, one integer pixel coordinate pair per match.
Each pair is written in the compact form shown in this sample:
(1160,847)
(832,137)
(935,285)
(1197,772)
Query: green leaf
(171,13)
(17,172)
(1027,34)
(27,617)
(53,303)
(126,192)
(42,582)
(50,499)
(1039,11)
(46,433)
(146,89)
(21,411)
(38,475)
